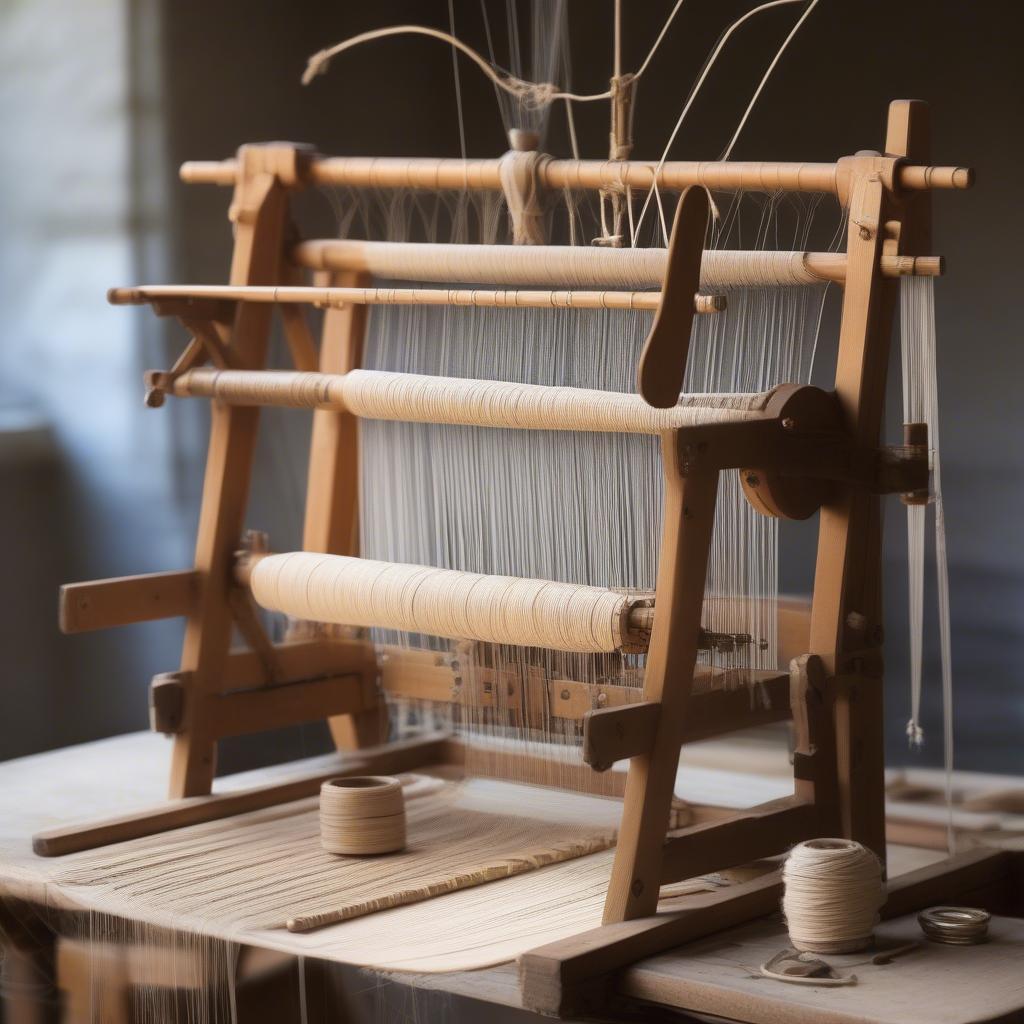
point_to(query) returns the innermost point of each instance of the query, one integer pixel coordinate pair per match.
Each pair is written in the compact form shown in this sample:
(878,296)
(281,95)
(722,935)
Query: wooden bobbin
(361,815)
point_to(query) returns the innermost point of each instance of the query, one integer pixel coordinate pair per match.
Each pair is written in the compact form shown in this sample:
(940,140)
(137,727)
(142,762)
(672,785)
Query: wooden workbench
(718,976)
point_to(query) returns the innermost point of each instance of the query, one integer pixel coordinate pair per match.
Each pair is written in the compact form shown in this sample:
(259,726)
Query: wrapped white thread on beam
(416,398)
(442,602)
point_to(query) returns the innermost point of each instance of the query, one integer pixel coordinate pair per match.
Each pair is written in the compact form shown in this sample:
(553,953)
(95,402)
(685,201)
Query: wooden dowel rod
(392,172)
(331,297)
(644,268)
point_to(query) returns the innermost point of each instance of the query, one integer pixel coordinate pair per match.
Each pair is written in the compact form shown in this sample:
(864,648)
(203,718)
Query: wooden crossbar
(672,175)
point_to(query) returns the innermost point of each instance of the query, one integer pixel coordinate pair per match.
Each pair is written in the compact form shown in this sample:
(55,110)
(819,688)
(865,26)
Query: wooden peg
(663,361)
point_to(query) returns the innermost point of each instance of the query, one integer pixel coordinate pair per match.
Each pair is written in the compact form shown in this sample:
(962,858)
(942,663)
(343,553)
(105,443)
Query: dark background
(228,72)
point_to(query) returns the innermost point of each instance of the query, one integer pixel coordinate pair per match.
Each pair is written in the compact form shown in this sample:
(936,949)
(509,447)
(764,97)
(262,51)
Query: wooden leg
(686,538)
(332,494)
(259,209)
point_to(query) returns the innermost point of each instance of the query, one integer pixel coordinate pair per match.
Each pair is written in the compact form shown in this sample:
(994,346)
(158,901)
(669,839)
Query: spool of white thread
(362,814)
(833,892)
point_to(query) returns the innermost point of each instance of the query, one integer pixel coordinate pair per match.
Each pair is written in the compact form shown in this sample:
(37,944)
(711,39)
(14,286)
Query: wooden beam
(763,831)
(273,707)
(124,600)
(612,734)
(396,757)
(565,976)
(688,519)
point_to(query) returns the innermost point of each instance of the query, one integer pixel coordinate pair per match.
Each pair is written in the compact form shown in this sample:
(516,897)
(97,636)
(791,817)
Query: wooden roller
(673,175)
(580,266)
(415,398)
(446,602)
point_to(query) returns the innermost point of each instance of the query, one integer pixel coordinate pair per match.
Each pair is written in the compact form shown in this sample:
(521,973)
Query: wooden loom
(799,450)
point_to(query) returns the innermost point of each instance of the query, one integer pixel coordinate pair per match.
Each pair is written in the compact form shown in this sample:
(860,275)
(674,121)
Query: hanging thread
(833,892)
(363,814)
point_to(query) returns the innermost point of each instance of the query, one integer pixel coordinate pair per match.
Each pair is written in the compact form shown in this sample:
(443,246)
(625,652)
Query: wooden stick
(338,297)
(100,604)
(399,172)
(689,508)
(476,263)
(402,756)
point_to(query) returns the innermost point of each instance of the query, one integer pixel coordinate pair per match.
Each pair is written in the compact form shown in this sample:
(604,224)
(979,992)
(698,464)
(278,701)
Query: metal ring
(955,926)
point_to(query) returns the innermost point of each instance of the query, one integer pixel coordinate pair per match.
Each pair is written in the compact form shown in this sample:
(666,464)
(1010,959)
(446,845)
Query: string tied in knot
(521,173)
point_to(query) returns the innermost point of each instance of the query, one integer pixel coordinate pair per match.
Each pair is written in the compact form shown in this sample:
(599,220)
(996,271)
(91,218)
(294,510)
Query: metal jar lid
(955,926)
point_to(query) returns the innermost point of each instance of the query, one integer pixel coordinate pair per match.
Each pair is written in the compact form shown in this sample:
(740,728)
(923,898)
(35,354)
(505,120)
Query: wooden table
(718,976)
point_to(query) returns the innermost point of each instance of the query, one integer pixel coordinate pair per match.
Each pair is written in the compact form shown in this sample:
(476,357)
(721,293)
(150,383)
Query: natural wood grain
(259,209)
(397,757)
(102,604)
(689,507)
(663,360)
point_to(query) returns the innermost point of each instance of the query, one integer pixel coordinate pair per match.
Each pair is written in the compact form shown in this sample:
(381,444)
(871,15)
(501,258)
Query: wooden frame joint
(615,734)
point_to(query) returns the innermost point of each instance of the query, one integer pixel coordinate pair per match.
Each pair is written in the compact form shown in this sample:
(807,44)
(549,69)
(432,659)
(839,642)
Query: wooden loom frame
(834,689)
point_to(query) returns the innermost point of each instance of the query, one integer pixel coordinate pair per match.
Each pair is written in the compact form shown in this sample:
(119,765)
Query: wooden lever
(663,361)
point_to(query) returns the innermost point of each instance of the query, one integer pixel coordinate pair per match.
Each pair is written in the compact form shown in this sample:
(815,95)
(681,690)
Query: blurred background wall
(100,100)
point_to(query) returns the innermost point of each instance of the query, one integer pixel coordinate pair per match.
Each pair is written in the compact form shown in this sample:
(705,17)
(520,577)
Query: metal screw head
(637,887)
(752,479)
(788,423)
(564,695)
(602,699)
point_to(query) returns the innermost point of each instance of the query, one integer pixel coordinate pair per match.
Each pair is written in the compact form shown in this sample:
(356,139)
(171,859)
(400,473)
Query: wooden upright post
(332,494)
(689,514)
(846,616)
(259,211)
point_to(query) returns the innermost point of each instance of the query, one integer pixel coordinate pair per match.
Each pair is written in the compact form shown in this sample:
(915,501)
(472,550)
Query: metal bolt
(637,887)
(752,479)
(564,695)
(602,699)
(788,423)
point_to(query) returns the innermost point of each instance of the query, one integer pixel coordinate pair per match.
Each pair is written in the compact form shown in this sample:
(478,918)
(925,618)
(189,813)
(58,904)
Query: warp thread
(833,892)
(361,815)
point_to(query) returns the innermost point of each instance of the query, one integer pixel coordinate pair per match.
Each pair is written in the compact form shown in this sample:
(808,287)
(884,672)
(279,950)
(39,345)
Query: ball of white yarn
(362,815)
(833,892)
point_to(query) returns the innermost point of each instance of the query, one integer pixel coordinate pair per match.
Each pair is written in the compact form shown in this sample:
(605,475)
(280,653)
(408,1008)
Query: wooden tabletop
(938,985)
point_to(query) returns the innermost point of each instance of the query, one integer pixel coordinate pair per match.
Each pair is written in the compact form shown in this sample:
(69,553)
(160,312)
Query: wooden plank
(332,491)
(847,613)
(722,711)
(931,984)
(612,734)
(123,600)
(763,831)
(396,757)
(569,976)
(979,877)
(299,660)
(689,507)
(274,707)
(259,210)
(563,977)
